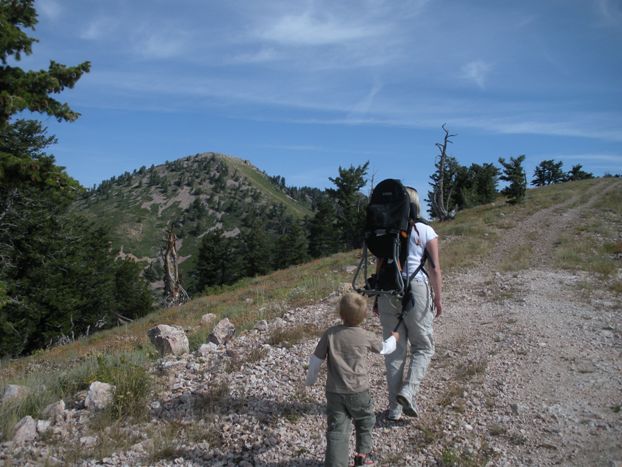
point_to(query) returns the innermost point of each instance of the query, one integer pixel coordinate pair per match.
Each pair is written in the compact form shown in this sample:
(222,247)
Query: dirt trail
(552,385)
(548,224)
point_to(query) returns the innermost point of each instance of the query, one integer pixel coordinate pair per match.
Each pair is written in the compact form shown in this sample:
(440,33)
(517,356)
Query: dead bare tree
(174,293)
(440,202)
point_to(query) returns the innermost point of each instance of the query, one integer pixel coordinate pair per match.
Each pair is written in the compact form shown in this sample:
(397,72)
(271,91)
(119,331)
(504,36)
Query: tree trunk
(440,205)
(174,293)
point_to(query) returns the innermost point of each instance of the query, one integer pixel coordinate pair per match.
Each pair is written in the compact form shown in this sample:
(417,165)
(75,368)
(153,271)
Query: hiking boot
(395,414)
(364,459)
(409,408)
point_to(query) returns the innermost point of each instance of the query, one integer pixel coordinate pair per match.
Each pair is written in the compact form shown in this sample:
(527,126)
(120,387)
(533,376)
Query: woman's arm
(436,277)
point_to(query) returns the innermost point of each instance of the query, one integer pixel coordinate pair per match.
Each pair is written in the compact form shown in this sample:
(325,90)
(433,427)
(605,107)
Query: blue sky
(300,88)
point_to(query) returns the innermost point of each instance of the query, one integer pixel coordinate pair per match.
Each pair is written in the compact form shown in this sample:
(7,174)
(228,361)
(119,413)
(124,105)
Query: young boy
(347,387)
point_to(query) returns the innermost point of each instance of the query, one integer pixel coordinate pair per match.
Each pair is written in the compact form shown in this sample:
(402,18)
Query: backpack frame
(389,221)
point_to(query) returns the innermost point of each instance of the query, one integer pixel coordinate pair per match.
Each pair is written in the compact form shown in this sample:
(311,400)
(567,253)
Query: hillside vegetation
(194,194)
(494,257)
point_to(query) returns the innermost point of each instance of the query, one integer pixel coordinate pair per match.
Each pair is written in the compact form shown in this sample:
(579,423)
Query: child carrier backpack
(390,217)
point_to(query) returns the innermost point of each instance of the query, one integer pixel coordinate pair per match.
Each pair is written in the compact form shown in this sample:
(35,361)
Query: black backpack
(390,218)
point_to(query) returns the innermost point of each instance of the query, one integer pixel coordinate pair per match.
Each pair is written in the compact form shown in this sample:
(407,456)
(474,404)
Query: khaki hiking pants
(415,335)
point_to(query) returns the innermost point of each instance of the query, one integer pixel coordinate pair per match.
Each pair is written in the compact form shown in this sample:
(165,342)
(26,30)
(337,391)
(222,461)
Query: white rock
(223,332)
(54,411)
(262,325)
(43,426)
(207,319)
(25,430)
(88,441)
(14,392)
(207,349)
(99,396)
(169,339)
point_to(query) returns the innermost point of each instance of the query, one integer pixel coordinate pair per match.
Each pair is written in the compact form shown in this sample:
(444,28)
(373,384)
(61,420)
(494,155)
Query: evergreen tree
(547,173)
(256,245)
(323,231)
(350,204)
(476,185)
(514,174)
(219,261)
(292,247)
(577,173)
(132,297)
(57,276)
(30,90)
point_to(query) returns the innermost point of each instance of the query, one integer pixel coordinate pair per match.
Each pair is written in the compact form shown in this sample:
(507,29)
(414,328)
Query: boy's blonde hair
(352,309)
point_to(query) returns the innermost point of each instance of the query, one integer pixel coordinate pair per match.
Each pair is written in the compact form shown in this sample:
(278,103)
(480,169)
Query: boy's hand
(389,345)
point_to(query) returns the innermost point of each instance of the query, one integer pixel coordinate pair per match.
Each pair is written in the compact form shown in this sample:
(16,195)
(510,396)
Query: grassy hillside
(194,194)
(484,236)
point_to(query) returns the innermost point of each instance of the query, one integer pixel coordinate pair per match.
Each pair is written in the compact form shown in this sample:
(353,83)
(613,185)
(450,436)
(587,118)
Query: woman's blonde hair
(414,198)
(352,309)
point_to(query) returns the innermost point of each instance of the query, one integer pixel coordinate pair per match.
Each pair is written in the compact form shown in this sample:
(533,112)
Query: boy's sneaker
(408,407)
(364,459)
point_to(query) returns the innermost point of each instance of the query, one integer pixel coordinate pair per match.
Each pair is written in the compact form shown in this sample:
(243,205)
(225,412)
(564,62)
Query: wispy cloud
(50,9)
(476,71)
(263,55)
(609,11)
(160,44)
(99,28)
(308,29)
(363,107)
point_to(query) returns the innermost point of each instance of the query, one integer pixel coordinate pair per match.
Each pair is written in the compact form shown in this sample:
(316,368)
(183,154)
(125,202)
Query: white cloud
(50,9)
(476,71)
(610,12)
(263,55)
(309,30)
(99,28)
(160,44)
(364,105)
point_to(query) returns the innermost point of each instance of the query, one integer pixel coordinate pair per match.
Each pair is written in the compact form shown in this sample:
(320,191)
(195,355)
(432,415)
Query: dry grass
(288,336)
(594,244)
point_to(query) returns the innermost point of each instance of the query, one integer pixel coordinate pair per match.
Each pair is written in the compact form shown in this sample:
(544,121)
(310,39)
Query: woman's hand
(438,305)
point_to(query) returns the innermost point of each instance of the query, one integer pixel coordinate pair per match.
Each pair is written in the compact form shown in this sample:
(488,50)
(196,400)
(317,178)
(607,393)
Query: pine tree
(256,244)
(577,173)
(350,204)
(57,275)
(476,185)
(547,173)
(514,174)
(219,260)
(292,247)
(323,231)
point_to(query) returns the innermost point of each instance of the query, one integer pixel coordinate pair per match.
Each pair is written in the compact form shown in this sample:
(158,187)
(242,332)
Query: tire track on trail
(537,234)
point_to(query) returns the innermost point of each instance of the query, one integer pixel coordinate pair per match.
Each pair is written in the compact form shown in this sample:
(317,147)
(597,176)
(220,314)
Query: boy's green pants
(342,410)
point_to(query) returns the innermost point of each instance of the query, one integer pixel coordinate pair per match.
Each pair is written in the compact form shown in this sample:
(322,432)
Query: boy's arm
(316,359)
(314,370)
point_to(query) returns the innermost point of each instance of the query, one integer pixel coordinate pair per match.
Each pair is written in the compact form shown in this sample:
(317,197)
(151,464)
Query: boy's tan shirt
(345,349)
